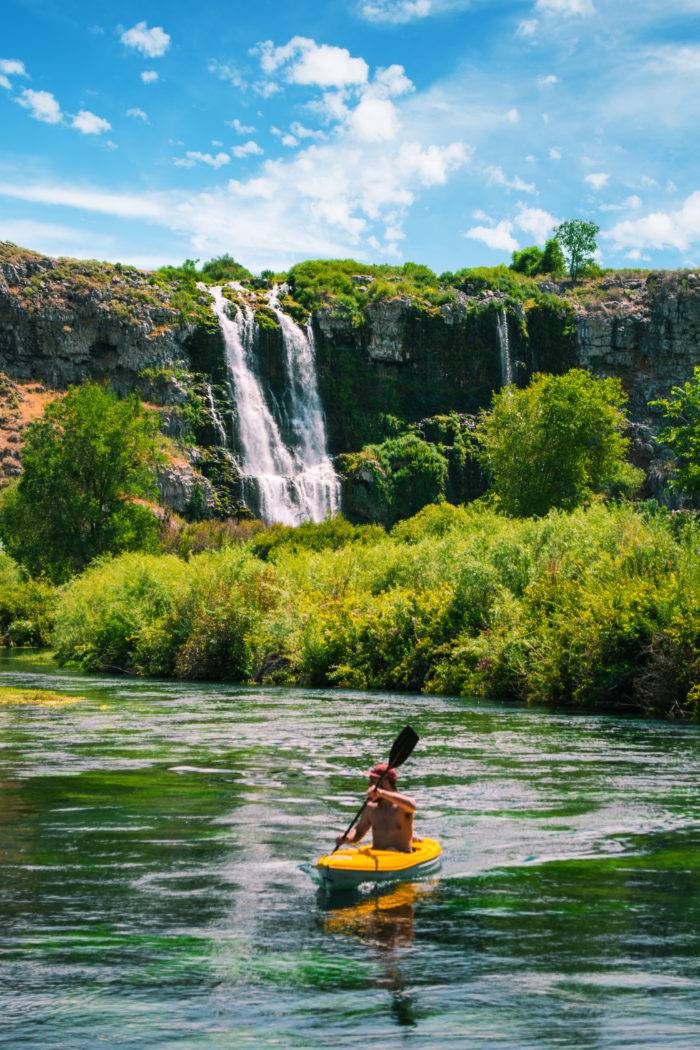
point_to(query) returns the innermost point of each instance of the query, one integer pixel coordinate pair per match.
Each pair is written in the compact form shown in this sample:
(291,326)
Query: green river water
(154,890)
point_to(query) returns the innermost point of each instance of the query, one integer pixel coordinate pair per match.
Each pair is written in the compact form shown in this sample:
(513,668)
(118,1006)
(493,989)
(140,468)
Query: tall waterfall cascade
(288,476)
(504,348)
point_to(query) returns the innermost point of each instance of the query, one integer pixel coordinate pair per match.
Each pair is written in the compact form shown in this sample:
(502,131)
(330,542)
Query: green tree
(553,261)
(224,268)
(557,443)
(528,261)
(416,474)
(578,239)
(85,463)
(682,433)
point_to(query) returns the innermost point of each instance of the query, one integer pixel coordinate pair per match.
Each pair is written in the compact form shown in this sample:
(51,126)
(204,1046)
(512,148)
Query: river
(154,888)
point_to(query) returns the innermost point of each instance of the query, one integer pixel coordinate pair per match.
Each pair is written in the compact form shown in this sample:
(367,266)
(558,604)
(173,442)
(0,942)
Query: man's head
(380,770)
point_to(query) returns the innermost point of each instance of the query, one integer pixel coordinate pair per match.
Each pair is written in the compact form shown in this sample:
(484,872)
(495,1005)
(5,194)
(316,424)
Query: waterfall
(283,482)
(504,347)
(215,416)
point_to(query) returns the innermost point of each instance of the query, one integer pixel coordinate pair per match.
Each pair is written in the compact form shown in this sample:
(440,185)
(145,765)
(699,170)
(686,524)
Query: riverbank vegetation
(550,589)
(598,606)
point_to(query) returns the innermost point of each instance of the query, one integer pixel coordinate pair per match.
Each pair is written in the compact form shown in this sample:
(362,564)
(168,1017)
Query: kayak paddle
(400,750)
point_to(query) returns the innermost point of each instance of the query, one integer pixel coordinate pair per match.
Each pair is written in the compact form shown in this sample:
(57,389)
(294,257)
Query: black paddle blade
(402,747)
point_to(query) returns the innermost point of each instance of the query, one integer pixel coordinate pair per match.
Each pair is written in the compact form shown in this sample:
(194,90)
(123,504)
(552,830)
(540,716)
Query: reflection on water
(154,889)
(384,920)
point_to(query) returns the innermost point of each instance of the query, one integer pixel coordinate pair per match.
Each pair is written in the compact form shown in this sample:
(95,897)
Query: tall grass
(595,607)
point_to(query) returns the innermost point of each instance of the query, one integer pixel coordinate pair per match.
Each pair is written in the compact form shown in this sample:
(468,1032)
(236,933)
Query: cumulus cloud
(554,153)
(10,67)
(88,123)
(151,42)
(137,114)
(499,237)
(547,80)
(496,175)
(248,149)
(42,105)
(536,221)
(149,76)
(374,119)
(565,7)
(679,229)
(239,127)
(193,157)
(303,61)
(597,179)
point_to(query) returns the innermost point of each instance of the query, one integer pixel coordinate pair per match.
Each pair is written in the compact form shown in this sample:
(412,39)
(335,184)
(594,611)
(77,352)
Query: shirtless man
(388,813)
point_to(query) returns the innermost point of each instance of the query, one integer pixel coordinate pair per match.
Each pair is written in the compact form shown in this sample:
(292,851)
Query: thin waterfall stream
(504,348)
(284,481)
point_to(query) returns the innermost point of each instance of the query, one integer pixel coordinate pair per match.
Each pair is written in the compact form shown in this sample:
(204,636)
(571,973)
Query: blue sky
(445,131)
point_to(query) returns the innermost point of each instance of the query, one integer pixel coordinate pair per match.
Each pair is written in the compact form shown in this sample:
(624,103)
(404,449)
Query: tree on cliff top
(557,443)
(578,238)
(86,461)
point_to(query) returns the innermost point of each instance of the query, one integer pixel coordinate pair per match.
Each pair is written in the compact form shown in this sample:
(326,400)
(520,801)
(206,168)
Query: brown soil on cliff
(20,404)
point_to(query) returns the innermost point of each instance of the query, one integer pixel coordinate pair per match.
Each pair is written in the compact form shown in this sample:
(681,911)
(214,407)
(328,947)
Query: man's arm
(359,831)
(404,802)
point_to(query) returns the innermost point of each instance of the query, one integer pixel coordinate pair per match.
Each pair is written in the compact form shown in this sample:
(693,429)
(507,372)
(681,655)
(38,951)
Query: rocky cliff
(402,360)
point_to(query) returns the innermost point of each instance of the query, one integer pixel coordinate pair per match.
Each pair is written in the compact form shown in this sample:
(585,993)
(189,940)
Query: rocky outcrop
(396,362)
(644,329)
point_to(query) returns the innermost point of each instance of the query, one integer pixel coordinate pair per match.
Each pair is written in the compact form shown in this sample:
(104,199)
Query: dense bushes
(599,606)
(26,607)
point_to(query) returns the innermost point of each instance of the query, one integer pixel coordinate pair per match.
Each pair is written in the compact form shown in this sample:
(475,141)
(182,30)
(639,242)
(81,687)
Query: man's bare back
(388,813)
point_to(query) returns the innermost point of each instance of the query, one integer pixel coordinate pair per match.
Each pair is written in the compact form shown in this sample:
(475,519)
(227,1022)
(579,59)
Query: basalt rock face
(64,322)
(407,360)
(645,329)
(400,361)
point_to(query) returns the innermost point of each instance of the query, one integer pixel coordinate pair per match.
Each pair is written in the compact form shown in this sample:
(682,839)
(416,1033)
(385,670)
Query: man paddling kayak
(388,813)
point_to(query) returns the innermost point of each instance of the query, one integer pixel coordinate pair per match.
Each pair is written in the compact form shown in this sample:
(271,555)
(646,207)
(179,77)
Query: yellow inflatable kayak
(353,865)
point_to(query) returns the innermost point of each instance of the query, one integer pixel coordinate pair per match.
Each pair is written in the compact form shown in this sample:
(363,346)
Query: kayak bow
(356,864)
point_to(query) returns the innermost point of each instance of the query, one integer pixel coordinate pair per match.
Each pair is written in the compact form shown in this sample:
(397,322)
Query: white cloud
(433,164)
(10,67)
(565,7)
(554,153)
(631,202)
(482,216)
(301,132)
(547,80)
(88,123)
(137,114)
(536,221)
(672,58)
(123,205)
(374,119)
(289,141)
(194,156)
(495,174)
(395,12)
(499,237)
(677,229)
(239,128)
(42,105)
(390,82)
(227,71)
(248,149)
(513,116)
(597,179)
(305,62)
(151,42)
(149,76)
